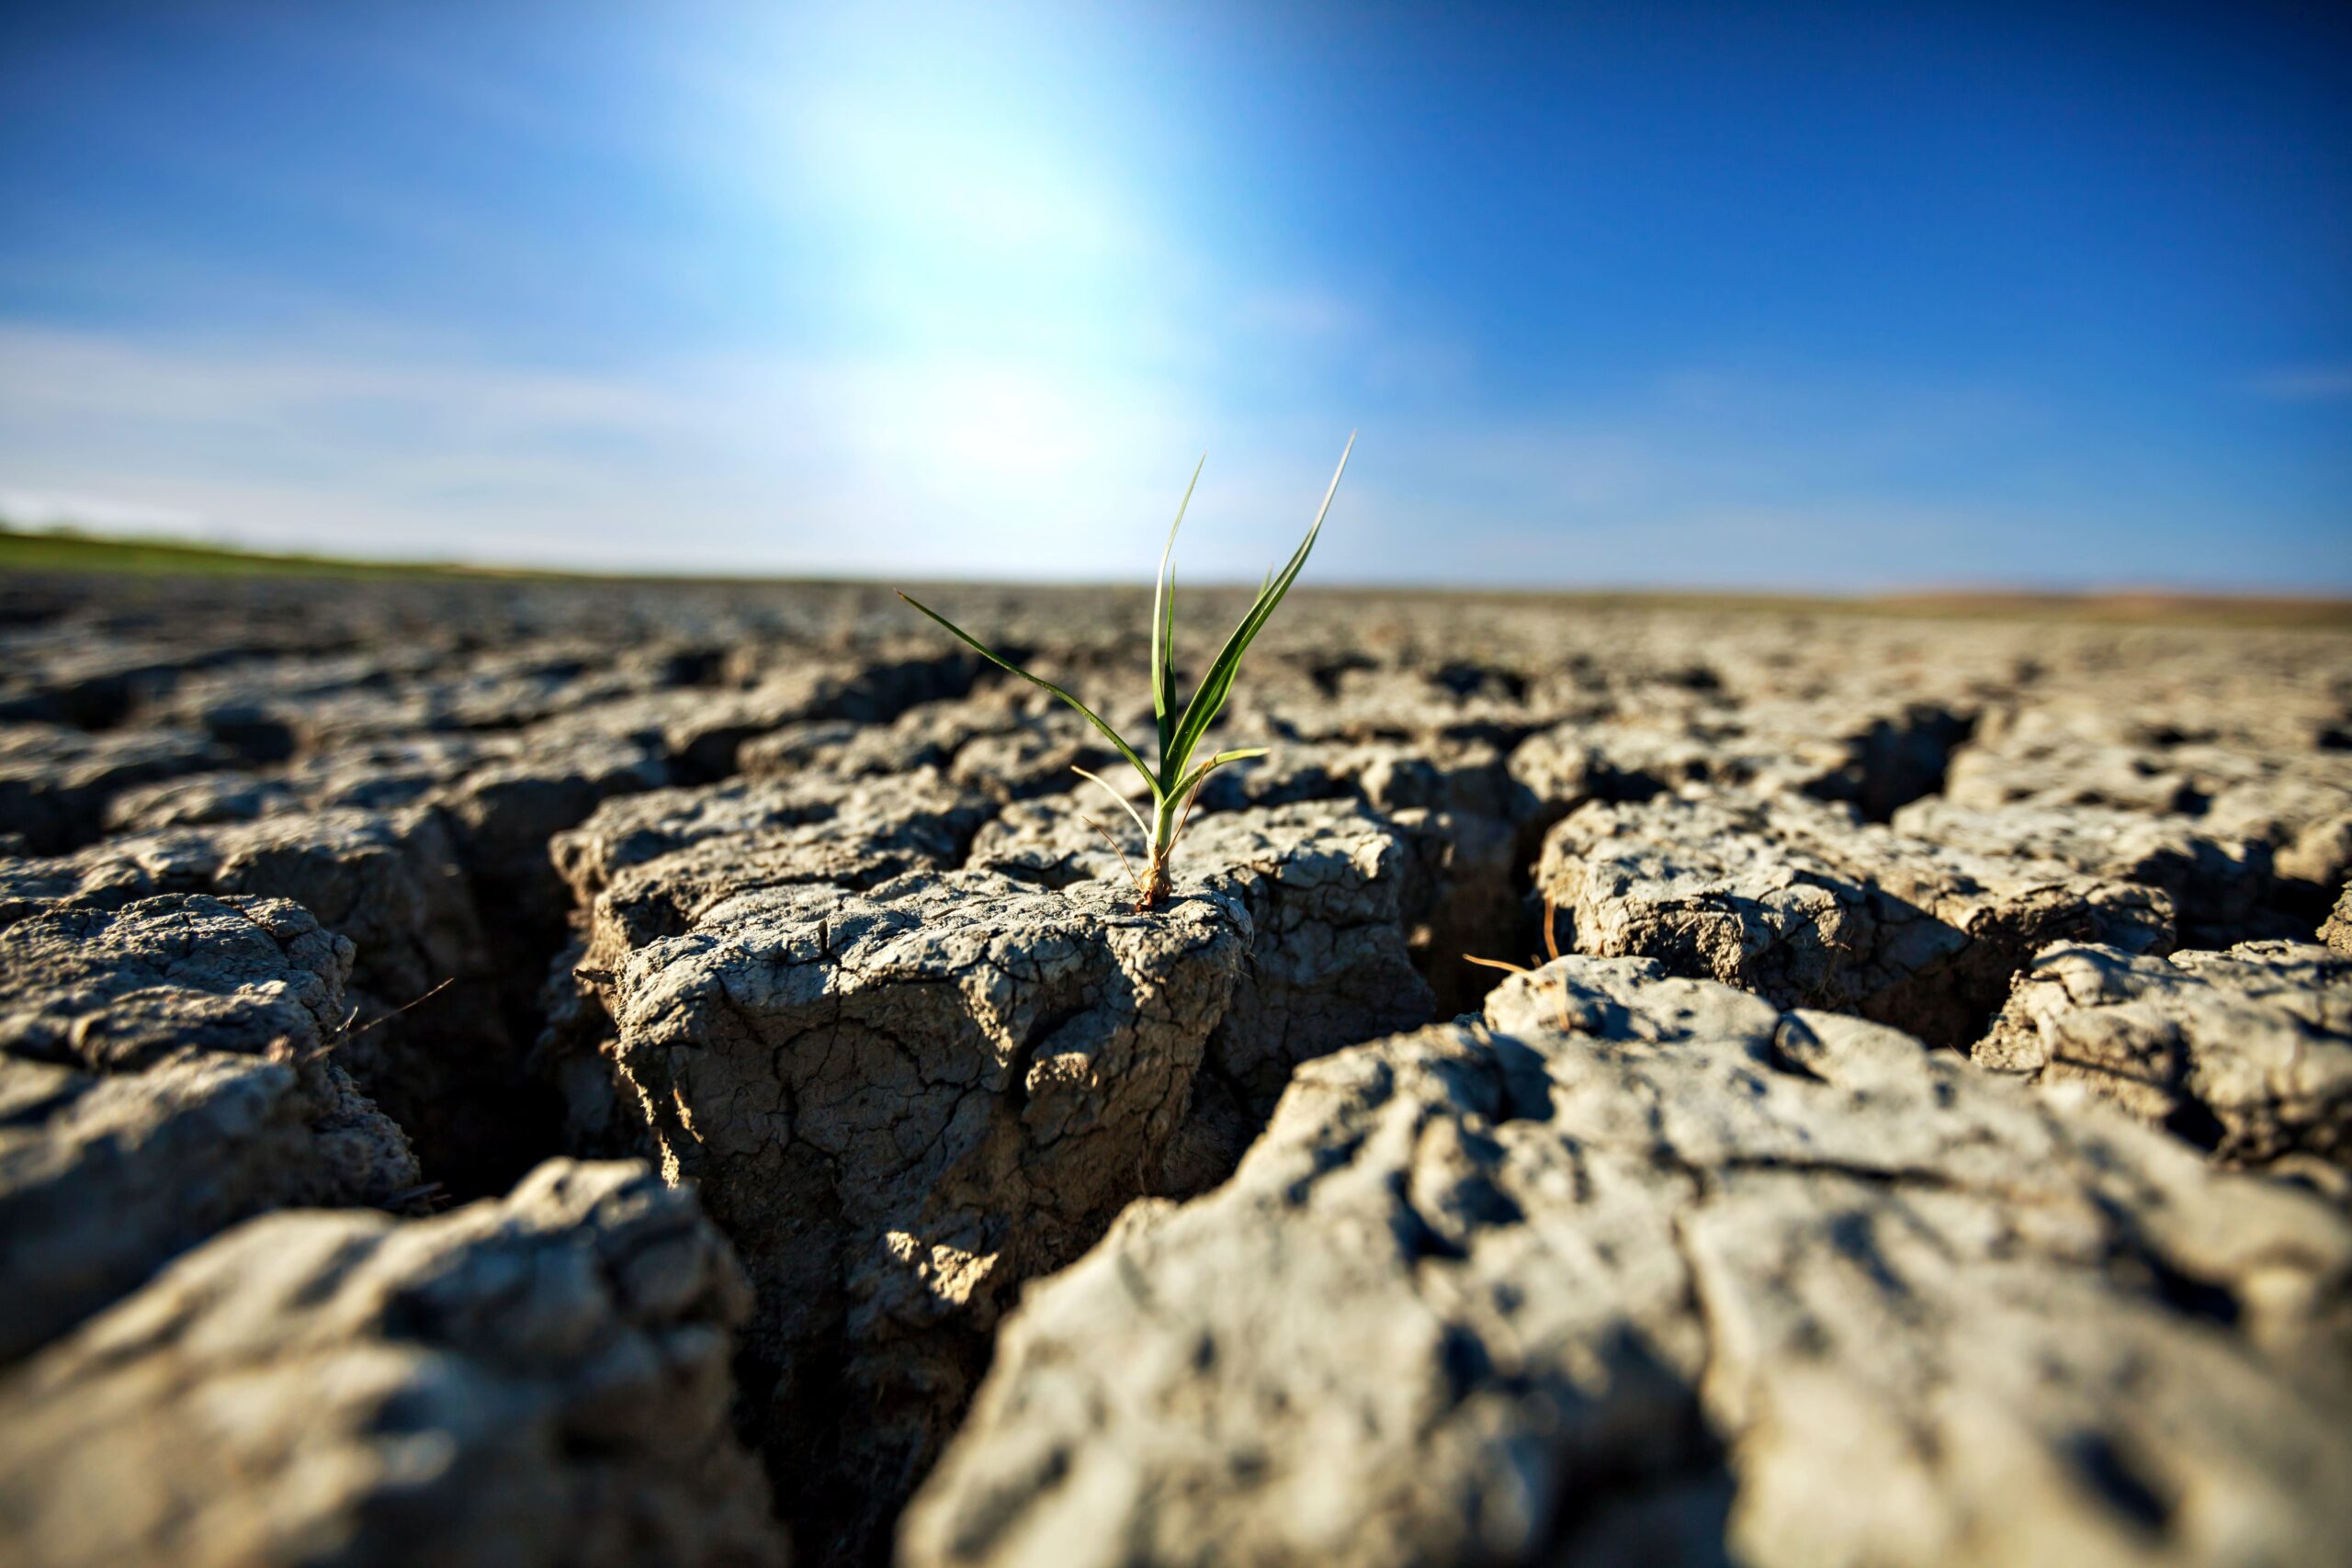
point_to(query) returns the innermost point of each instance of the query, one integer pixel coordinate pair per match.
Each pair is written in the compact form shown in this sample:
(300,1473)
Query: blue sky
(1798,296)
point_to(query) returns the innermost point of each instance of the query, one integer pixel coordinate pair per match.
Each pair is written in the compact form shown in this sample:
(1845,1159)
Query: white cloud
(869,464)
(47,509)
(911,466)
(2304,383)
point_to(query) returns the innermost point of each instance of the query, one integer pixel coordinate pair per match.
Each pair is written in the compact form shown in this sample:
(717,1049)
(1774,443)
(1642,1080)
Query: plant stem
(1167,818)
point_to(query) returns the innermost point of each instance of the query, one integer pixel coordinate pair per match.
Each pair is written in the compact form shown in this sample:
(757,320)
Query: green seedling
(1177,781)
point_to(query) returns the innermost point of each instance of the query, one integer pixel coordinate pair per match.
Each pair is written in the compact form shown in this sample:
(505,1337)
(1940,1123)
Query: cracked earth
(515,1073)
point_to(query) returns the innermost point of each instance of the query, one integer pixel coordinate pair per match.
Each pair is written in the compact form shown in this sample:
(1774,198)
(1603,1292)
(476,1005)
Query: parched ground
(517,1072)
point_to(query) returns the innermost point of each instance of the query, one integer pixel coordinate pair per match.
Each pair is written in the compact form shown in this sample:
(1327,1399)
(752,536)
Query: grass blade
(969,641)
(1193,779)
(1163,658)
(1208,700)
(1124,804)
(1163,626)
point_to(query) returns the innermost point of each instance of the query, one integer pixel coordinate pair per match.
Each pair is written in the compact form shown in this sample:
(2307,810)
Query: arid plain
(582,1073)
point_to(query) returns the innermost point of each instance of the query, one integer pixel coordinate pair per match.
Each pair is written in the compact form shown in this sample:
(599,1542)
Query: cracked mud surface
(1684,1273)
(1933,1147)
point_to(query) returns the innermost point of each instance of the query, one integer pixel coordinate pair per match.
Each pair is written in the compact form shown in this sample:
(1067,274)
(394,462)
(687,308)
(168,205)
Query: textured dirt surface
(167,1073)
(541,1380)
(1692,1274)
(2246,1052)
(1933,1147)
